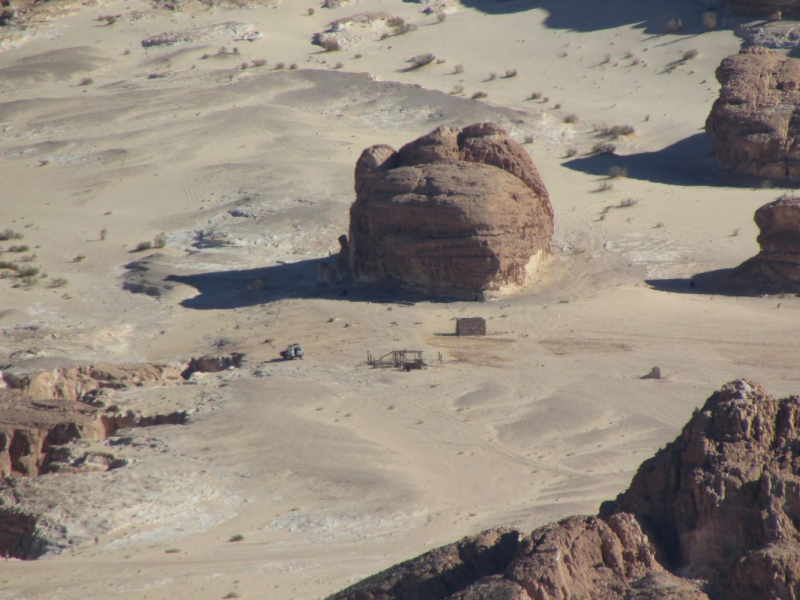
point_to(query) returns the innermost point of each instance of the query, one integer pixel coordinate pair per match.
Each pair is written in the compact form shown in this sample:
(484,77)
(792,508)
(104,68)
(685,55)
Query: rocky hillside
(713,515)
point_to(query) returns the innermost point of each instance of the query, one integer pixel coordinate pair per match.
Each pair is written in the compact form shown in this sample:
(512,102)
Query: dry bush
(603,148)
(9,234)
(571,152)
(160,240)
(280,66)
(20,248)
(79,258)
(709,20)
(293,67)
(690,54)
(479,95)
(142,246)
(557,105)
(4,264)
(86,81)
(57,282)
(457,90)
(606,59)
(492,76)
(458,69)
(27,272)
(545,99)
(441,17)
(571,118)
(535,96)
(259,62)
(528,139)
(311,11)
(627,203)
(617,172)
(510,73)
(338,65)
(605,187)
(674,25)
(616,131)
(420,60)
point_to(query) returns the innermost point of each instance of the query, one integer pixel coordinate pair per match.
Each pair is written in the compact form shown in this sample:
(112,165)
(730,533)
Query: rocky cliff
(454,212)
(776,268)
(763,7)
(753,124)
(715,514)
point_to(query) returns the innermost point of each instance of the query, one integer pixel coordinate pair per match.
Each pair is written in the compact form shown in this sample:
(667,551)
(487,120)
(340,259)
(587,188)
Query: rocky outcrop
(715,514)
(776,268)
(213,364)
(454,212)
(764,7)
(44,381)
(753,124)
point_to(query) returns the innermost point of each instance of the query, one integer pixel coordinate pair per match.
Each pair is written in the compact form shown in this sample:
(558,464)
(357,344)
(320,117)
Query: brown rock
(454,212)
(776,268)
(752,123)
(720,505)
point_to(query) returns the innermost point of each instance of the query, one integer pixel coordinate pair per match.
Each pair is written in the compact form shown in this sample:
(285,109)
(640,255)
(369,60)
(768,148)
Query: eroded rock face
(454,212)
(776,268)
(753,124)
(720,506)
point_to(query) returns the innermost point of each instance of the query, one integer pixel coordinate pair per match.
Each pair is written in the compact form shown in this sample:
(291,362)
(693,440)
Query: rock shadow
(235,288)
(689,162)
(715,283)
(651,16)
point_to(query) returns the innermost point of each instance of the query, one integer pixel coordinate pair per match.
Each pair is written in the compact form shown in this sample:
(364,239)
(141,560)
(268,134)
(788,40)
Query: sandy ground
(329,469)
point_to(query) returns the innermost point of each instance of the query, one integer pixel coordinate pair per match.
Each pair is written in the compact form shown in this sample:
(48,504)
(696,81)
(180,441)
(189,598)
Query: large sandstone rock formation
(715,514)
(753,123)
(454,212)
(776,268)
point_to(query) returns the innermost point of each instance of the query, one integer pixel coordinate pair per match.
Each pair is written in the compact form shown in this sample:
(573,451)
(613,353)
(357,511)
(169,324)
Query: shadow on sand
(229,289)
(579,15)
(689,162)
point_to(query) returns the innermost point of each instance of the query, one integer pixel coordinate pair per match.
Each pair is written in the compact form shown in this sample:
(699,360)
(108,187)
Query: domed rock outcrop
(776,268)
(715,514)
(454,212)
(753,123)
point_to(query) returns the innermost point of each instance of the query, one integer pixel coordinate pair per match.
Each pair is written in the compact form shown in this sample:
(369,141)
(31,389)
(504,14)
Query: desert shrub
(510,73)
(20,248)
(57,282)
(103,234)
(356,56)
(616,172)
(27,272)
(160,240)
(233,594)
(441,61)
(557,105)
(605,187)
(236,538)
(479,95)
(545,99)
(440,17)
(338,65)
(172,550)
(311,11)
(457,89)
(9,234)
(603,148)
(280,66)
(142,246)
(27,258)
(293,67)
(571,152)
(79,258)
(690,54)
(458,69)
(536,95)
(627,203)
(571,118)
(86,81)
(395,22)
(331,44)
(616,131)
(420,60)
(259,62)
(528,139)
(709,20)
(606,59)
(674,25)
(492,76)
(4,264)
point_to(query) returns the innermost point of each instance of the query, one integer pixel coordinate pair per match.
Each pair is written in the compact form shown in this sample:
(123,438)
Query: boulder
(717,510)
(454,212)
(776,268)
(752,124)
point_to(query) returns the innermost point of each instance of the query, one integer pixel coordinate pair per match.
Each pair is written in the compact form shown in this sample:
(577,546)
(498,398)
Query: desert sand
(329,469)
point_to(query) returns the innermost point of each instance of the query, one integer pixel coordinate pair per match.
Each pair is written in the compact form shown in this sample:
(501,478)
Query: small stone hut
(471,326)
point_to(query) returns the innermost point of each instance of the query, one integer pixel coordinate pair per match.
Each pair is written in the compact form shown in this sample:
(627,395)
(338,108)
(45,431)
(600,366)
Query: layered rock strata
(753,124)
(715,514)
(453,212)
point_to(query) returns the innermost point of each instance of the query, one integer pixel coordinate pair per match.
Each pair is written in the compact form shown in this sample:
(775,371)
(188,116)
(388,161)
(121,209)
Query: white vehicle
(292,351)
